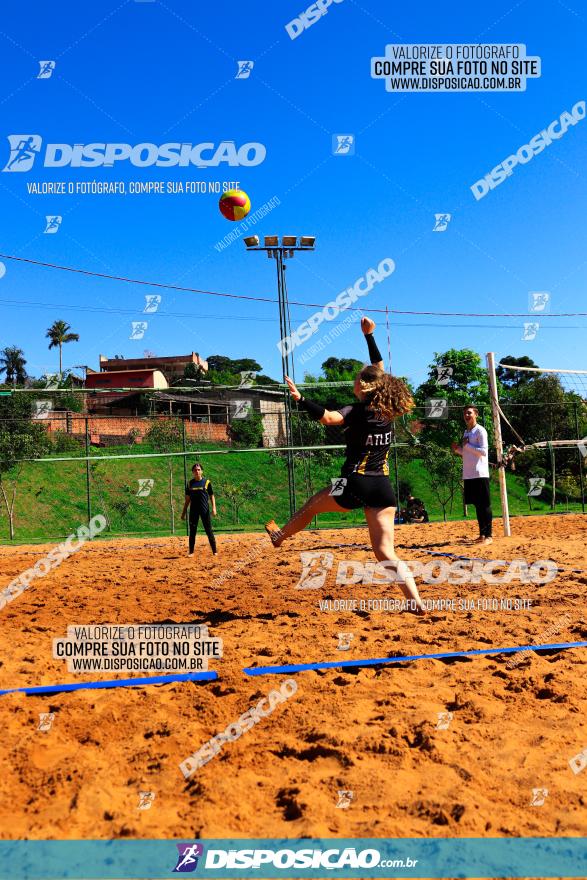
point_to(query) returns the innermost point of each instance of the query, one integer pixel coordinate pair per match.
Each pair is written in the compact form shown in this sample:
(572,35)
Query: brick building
(171,367)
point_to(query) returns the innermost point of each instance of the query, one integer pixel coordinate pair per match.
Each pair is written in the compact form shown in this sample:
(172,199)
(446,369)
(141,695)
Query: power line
(163,314)
(292,302)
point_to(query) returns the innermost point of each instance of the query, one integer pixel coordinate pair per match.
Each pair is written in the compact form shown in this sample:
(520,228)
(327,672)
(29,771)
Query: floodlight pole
(280,254)
(498,443)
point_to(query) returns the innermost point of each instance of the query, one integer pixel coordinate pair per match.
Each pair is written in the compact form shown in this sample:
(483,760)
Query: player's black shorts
(477,491)
(363,491)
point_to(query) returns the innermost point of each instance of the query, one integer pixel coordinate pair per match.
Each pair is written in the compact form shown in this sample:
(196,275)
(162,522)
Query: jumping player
(364,480)
(474,452)
(198,494)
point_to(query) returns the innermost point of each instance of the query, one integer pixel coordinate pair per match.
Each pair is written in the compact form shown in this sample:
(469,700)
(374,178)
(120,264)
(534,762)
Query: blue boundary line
(115,682)
(338,664)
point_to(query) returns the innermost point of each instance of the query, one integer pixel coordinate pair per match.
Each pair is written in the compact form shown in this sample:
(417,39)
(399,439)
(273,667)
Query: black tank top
(368,439)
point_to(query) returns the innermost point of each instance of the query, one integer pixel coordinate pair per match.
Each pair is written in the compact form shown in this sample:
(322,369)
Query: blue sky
(156,72)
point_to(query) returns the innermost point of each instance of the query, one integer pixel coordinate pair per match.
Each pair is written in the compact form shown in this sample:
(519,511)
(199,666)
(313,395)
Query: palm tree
(12,363)
(59,333)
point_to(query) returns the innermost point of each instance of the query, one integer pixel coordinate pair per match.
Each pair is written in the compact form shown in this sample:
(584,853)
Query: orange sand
(372,730)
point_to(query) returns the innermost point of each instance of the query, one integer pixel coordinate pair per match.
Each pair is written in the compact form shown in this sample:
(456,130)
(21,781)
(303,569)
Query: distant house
(172,367)
(131,378)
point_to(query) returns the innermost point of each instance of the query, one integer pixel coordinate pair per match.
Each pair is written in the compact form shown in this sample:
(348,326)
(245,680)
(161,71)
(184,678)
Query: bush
(63,442)
(248,432)
(164,434)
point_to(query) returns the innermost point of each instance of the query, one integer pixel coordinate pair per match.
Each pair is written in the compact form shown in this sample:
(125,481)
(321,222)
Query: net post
(88,490)
(498,443)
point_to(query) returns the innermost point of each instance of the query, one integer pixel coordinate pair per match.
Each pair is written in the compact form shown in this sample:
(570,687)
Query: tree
(20,438)
(457,376)
(12,363)
(443,470)
(341,369)
(223,370)
(262,379)
(515,378)
(193,374)
(245,365)
(59,334)
(237,495)
(540,410)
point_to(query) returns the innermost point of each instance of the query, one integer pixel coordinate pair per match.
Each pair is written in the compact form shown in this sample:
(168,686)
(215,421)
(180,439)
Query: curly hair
(386,395)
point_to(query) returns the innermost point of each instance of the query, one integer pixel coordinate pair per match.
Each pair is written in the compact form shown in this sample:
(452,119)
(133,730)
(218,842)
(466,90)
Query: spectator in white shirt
(474,451)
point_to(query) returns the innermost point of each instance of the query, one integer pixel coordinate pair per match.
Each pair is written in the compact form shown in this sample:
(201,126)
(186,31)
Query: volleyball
(234,204)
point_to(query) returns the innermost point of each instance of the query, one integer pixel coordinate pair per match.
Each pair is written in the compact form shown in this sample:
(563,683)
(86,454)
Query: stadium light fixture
(280,253)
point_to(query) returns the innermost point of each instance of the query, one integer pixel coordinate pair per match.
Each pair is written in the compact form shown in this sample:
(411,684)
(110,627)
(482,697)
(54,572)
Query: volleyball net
(540,430)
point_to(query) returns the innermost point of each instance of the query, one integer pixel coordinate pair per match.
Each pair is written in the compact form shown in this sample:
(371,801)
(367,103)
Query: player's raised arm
(316,411)
(368,326)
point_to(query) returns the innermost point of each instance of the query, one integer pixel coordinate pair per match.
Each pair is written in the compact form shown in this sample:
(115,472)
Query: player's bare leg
(380,522)
(321,502)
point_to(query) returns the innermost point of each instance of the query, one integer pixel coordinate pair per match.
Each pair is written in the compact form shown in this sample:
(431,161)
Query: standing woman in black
(365,473)
(198,496)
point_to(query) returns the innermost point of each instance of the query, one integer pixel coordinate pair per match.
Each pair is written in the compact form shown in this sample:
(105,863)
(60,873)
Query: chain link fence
(133,469)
